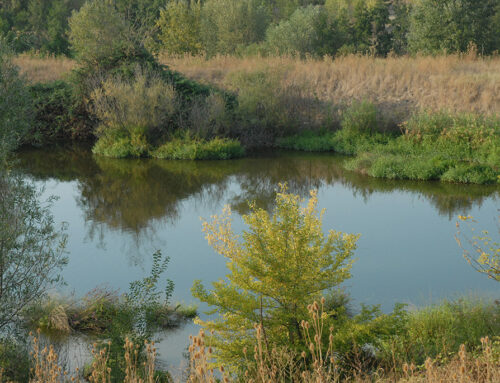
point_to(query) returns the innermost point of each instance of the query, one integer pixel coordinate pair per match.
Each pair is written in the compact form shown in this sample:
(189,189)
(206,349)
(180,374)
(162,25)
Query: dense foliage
(223,26)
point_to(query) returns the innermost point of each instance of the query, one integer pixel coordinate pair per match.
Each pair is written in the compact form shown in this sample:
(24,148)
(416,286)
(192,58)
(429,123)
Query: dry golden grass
(397,84)
(43,69)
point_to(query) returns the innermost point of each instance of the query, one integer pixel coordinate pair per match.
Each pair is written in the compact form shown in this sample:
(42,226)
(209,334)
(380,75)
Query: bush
(132,145)
(438,331)
(59,114)
(360,118)
(271,107)
(132,112)
(196,149)
(208,117)
(471,174)
(280,264)
(14,359)
(308,141)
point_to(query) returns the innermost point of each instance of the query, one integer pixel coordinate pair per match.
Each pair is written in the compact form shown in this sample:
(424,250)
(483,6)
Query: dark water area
(121,211)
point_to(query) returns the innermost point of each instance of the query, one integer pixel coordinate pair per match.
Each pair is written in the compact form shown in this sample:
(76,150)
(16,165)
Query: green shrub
(209,117)
(361,118)
(133,111)
(196,149)
(131,145)
(270,107)
(406,167)
(14,359)
(471,174)
(59,114)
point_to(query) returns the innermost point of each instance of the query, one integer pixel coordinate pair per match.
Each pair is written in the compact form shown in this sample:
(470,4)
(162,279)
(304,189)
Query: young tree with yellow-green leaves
(277,267)
(483,252)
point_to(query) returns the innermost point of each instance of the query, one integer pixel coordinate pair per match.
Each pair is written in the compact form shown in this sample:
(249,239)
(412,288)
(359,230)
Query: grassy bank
(462,148)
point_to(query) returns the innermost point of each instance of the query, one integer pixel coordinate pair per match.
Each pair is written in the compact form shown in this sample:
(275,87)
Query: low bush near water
(198,149)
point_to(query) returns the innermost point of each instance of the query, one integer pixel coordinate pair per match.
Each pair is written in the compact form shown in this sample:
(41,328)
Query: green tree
(15,105)
(230,24)
(57,26)
(179,27)
(362,25)
(100,36)
(31,249)
(452,25)
(277,268)
(303,33)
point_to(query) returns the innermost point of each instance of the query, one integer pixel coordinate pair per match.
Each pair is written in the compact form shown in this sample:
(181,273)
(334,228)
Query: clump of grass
(198,149)
(126,145)
(437,331)
(360,118)
(94,314)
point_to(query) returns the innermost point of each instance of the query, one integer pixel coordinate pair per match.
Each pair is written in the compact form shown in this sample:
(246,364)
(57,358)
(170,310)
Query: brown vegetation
(398,84)
(458,83)
(44,69)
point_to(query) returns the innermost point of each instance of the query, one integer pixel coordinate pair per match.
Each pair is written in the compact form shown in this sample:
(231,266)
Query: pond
(121,211)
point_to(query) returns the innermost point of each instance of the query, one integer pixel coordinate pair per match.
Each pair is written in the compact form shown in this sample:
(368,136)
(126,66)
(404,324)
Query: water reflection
(128,195)
(406,253)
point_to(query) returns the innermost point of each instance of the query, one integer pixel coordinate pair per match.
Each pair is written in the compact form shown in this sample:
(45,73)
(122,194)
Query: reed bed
(458,83)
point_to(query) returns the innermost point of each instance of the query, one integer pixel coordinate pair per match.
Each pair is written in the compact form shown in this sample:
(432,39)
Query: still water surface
(120,211)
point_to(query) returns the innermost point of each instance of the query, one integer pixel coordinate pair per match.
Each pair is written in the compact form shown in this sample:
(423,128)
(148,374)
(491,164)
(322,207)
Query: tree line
(267,27)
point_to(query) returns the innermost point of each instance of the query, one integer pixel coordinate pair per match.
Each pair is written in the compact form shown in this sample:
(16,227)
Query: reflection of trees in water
(138,196)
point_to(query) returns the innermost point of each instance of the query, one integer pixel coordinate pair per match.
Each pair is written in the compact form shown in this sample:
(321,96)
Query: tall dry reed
(319,364)
(399,85)
(38,69)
